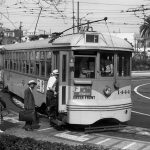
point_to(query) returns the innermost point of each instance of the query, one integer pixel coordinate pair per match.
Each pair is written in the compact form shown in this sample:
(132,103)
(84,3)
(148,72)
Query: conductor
(52,91)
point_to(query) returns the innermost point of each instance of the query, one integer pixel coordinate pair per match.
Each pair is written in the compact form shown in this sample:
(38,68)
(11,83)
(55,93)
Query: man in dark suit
(29,102)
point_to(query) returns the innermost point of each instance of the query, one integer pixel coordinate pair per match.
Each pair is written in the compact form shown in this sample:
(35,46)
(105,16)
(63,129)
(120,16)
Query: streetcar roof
(29,45)
(105,41)
(76,41)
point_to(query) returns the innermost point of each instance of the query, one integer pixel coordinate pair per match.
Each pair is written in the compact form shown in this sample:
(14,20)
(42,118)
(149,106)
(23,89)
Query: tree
(145,28)
(145,31)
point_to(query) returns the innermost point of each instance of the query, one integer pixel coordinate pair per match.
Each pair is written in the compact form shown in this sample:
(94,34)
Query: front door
(63,81)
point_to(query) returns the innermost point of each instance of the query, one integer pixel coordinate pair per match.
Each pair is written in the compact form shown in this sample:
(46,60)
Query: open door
(63,81)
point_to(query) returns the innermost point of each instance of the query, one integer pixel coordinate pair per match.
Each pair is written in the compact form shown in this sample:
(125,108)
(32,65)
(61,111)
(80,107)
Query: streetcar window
(48,55)
(64,68)
(107,64)
(123,61)
(37,68)
(84,67)
(48,63)
(37,55)
(15,65)
(32,55)
(10,64)
(48,68)
(24,67)
(27,67)
(20,66)
(92,38)
(8,67)
(28,55)
(42,55)
(7,55)
(56,60)
(24,56)
(42,68)
(32,68)
(6,64)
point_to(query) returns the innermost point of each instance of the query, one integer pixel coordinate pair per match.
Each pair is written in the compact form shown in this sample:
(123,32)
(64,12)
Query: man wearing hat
(52,89)
(29,102)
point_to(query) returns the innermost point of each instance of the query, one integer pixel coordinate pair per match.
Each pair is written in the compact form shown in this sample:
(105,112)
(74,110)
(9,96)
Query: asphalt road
(141,104)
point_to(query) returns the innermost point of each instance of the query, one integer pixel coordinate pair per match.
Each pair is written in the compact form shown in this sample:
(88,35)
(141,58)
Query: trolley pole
(37,21)
(20,30)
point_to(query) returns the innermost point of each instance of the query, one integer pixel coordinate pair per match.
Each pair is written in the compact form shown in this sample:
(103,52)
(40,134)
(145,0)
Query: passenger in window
(83,68)
(92,69)
(102,67)
(83,73)
(52,94)
(108,67)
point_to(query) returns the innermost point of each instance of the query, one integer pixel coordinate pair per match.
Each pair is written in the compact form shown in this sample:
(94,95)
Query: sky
(57,15)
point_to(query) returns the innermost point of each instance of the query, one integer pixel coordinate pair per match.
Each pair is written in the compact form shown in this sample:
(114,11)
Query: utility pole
(73,14)
(20,32)
(78,20)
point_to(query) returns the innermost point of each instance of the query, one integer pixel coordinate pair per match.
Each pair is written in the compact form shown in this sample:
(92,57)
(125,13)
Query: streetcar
(94,75)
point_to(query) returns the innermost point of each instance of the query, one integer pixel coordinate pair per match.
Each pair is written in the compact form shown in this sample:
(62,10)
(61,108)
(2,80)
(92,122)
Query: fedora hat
(55,71)
(32,82)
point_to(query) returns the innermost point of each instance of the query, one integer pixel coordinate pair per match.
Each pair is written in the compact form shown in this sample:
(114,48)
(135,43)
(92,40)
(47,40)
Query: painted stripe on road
(45,129)
(121,143)
(141,113)
(136,88)
(103,141)
(66,135)
(130,145)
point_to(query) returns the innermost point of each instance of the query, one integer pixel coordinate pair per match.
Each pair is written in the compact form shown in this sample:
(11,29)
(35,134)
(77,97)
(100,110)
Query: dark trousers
(28,124)
(49,97)
(51,103)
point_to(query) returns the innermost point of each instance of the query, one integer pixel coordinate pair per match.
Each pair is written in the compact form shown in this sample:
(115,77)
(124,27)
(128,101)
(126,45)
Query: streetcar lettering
(123,92)
(83,97)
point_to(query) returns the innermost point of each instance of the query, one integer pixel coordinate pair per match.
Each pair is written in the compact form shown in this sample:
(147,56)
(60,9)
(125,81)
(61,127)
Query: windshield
(84,67)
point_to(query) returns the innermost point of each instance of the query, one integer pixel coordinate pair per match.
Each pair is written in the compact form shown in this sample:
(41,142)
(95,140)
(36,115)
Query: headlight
(107,91)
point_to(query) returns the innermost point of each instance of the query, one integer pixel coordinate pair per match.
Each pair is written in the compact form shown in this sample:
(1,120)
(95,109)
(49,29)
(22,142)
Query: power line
(108,4)
(140,9)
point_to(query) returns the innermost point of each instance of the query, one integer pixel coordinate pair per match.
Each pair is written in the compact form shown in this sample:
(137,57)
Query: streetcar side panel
(17,83)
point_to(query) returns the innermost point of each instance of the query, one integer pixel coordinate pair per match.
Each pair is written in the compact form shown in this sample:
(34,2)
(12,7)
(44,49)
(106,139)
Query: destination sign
(82,90)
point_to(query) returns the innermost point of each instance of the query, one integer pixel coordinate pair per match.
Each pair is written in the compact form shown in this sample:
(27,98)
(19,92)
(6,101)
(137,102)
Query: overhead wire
(33,6)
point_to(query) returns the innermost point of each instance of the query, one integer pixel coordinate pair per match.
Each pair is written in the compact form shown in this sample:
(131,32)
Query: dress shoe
(28,129)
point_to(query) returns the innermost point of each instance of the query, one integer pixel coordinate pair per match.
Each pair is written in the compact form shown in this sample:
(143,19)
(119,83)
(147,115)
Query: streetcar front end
(99,84)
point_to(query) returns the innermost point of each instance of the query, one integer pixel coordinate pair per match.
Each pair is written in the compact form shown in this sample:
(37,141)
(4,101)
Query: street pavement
(11,125)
